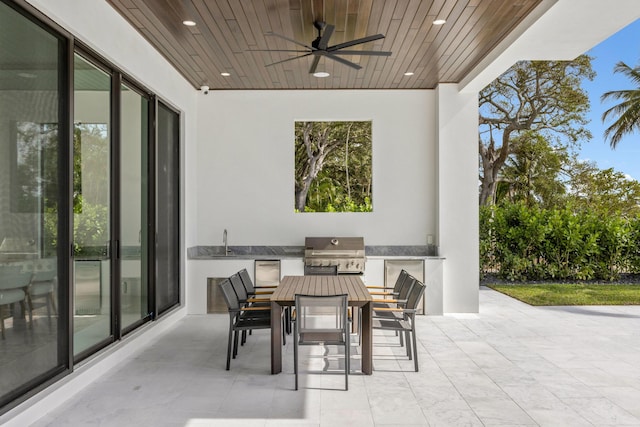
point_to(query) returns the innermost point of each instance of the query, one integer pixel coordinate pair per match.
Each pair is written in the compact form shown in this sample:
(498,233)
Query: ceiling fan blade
(361,52)
(342,61)
(326,35)
(288,59)
(291,40)
(314,65)
(276,50)
(355,42)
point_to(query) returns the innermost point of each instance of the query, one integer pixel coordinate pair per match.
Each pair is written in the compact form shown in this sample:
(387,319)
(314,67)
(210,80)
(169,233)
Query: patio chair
(239,320)
(387,291)
(247,300)
(405,322)
(252,290)
(43,284)
(14,281)
(400,293)
(321,320)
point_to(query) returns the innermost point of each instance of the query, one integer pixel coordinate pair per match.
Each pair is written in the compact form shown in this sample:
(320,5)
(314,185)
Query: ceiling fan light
(189,23)
(439,22)
(321,74)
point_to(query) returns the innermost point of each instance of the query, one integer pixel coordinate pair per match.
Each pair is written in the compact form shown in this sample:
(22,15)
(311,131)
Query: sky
(622,46)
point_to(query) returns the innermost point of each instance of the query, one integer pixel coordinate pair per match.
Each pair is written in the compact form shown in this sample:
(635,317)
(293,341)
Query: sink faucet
(224,240)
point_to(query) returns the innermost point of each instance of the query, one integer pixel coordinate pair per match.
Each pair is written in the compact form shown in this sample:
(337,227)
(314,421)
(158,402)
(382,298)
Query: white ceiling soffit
(556,30)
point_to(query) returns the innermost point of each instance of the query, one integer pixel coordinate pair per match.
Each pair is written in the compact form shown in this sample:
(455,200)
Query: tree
(626,114)
(603,191)
(542,97)
(532,173)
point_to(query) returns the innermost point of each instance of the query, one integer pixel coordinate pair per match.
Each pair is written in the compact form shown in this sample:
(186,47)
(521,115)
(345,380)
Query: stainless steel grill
(345,252)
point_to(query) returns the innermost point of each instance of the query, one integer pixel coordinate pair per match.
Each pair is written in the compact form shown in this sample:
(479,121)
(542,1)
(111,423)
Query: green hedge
(519,243)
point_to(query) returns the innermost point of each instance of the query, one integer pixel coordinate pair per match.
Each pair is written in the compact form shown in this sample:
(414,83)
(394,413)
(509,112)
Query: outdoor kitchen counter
(284,252)
(210,262)
(245,252)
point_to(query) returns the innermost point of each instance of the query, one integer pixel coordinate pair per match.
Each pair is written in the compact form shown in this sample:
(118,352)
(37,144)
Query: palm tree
(627,113)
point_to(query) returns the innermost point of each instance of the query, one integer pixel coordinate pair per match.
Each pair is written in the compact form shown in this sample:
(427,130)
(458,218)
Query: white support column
(457,136)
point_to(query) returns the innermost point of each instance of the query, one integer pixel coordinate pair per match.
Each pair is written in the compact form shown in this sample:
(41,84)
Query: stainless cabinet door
(267,272)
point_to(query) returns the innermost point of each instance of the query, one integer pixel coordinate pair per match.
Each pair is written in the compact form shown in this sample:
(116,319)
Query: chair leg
(229,343)
(2,320)
(235,344)
(53,303)
(28,305)
(415,349)
(284,331)
(287,319)
(347,361)
(295,353)
(408,341)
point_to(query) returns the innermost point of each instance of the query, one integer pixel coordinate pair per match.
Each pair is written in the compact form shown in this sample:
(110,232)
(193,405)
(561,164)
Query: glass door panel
(168,209)
(134,139)
(91,206)
(33,328)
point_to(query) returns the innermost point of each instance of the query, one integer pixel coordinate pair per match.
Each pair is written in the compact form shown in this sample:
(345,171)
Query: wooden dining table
(358,296)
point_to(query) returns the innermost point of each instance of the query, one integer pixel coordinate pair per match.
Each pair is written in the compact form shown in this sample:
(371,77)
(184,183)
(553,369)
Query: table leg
(276,338)
(367,340)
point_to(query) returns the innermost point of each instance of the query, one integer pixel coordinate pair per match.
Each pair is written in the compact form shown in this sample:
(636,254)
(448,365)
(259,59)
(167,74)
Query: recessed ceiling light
(225,74)
(439,22)
(321,74)
(27,75)
(189,23)
(409,73)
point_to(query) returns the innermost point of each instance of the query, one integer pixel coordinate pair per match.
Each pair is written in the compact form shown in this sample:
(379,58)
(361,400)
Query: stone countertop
(284,252)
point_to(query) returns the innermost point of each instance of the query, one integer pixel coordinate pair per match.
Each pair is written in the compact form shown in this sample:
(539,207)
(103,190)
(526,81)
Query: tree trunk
(346,161)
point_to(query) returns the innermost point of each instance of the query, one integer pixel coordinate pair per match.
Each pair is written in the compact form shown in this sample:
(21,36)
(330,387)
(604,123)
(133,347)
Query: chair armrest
(253,308)
(394,301)
(396,309)
(266,287)
(377,287)
(264,292)
(383,293)
(258,300)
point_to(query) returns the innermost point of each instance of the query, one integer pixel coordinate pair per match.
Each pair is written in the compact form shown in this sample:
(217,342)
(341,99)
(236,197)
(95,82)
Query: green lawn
(572,294)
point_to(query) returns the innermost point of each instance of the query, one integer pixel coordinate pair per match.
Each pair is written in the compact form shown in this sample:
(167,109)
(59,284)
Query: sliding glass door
(33,214)
(89,203)
(133,201)
(92,284)
(168,212)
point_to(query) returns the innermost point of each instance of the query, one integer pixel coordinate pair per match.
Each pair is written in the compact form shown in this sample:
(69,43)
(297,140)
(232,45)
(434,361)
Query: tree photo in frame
(333,166)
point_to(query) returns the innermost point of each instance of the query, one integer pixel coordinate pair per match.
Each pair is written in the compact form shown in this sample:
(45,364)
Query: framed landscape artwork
(333,166)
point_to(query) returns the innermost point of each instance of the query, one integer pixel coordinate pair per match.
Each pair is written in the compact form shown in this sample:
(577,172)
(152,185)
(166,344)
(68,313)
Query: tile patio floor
(510,365)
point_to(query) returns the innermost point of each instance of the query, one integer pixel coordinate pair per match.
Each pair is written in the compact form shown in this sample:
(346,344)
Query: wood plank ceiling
(227,33)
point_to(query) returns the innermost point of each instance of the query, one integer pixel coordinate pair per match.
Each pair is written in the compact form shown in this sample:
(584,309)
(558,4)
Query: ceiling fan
(320,47)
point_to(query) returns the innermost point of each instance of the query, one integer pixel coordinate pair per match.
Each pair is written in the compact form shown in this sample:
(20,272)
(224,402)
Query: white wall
(245,161)
(458,226)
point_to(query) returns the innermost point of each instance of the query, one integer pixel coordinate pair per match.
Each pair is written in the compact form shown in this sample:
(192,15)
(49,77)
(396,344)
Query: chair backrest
(12,277)
(326,314)
(400,281)
(246,281)
(406,286)
(238,287)
(320,270)
(229,295)
(417,289)
(45,270)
